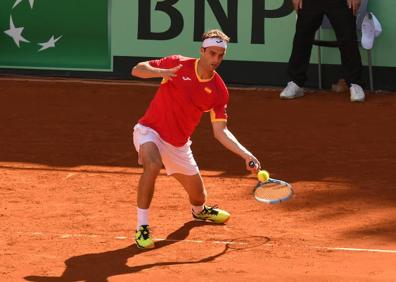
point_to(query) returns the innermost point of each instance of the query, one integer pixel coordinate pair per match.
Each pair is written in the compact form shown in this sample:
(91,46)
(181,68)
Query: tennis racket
(272,191)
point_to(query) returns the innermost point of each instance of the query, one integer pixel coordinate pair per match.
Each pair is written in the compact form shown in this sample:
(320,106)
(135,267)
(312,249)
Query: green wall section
(278,33)
(81,27)
(90,33)
(278,37)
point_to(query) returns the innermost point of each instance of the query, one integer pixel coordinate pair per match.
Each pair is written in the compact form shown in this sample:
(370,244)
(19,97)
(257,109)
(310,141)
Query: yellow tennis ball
(263,175)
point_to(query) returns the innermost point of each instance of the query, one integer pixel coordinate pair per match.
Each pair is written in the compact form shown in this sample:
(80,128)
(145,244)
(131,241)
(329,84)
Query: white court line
(357,250)
(68,236)
(344,249)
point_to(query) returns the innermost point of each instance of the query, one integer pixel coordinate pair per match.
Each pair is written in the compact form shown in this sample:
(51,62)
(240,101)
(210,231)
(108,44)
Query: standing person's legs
(344,24)
(308,21)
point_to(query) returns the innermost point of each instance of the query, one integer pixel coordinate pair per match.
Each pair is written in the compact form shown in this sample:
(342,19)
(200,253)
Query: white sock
(142,217)
(197,209)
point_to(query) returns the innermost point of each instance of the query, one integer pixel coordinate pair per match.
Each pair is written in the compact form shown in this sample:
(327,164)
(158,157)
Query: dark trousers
(344,23)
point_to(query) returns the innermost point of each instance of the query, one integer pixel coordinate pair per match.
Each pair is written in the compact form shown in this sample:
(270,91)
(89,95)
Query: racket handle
(252,164)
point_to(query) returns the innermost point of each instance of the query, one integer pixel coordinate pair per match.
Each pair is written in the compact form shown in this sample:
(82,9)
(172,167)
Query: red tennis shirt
(178,105)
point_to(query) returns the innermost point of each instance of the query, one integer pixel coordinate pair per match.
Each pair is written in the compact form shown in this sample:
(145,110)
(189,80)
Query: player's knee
(153,167)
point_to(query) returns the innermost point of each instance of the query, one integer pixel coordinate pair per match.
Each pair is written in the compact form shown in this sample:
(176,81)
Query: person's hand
(257,165)
(169,73)
(354,5)
(297,4)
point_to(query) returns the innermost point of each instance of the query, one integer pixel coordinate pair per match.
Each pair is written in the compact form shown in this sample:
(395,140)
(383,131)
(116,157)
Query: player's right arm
(145,70)
(228,140)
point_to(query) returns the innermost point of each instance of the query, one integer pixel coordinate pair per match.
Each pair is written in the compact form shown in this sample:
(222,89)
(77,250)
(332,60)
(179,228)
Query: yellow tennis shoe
(212,214)
(143,238)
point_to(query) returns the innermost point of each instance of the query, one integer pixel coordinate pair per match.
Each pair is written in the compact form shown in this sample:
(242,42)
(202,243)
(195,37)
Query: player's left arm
(228,140)
(145,70)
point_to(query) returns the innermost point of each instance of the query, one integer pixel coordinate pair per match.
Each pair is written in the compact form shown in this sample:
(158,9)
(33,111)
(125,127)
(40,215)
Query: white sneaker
(357,93)
(292,91)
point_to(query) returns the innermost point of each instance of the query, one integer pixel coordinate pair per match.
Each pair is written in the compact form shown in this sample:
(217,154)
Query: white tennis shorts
(175,159)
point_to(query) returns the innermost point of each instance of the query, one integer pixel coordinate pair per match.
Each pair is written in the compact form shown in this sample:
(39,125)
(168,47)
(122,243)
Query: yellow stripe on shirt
(213,117)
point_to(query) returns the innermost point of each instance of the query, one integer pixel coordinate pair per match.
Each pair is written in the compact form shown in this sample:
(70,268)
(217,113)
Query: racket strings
(273,191)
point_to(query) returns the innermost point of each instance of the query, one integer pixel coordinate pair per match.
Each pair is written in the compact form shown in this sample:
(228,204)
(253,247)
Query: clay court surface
(68,173)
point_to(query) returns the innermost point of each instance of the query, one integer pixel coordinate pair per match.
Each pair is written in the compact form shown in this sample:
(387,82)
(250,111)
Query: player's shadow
(100,266)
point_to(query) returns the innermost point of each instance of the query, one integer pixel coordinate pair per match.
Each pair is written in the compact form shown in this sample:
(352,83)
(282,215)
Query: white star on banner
(49,44)
(17,2)
(15,33)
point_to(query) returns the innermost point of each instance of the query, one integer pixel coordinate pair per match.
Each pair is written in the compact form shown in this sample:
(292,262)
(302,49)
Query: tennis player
(189,88)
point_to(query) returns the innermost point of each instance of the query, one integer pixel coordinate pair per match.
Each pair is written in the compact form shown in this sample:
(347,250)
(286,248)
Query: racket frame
(261,185)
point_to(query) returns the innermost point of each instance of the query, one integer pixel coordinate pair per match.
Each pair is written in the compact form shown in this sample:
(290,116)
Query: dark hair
(215,33)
